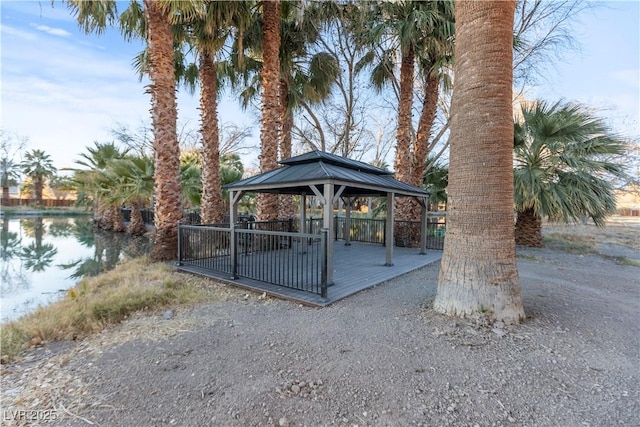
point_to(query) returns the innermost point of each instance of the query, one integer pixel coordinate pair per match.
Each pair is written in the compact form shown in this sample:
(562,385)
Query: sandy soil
(379,358)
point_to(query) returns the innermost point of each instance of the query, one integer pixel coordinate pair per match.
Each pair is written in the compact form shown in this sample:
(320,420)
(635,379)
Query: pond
(42,257)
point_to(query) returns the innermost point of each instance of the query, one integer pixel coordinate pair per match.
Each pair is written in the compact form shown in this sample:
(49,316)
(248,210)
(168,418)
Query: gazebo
(328,177)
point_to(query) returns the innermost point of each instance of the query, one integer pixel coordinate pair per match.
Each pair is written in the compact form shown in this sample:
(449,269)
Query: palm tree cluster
(309,64)
(277,50)
(566,160)
(109,178)
(297,55)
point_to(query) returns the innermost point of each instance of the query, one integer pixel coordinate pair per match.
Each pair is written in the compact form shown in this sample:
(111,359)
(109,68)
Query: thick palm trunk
(136,222)
(427,117)
(117,220)
(211,206)
(286,207)
(107,220)
(99,211)
(38,186)
(167,186)
(403,147)
(478,270)
(421,150)
(270,131)
(528,228)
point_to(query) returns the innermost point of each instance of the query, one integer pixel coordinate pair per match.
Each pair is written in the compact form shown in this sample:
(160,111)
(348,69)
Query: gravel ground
(379,358)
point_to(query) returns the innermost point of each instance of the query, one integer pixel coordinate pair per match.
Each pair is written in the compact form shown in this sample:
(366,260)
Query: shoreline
(42,212)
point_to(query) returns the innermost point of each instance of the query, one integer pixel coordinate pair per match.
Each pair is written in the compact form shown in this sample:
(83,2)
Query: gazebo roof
(317,167)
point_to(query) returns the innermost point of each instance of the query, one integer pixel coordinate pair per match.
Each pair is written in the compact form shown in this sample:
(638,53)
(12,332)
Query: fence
(365,230)
(205,247)
(275,252)
(49,203)
(283,258)
(406,233)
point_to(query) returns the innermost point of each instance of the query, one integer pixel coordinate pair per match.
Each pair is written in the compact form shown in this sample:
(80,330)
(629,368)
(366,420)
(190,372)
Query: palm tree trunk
(478,274)
(403,147)
(106,220)
(98,214)
(286,206)
(421,150)
(136,223)
(211,206)
(118,221)
(38,186)
(427,117)
(528,228)
(167,187)
(270,131)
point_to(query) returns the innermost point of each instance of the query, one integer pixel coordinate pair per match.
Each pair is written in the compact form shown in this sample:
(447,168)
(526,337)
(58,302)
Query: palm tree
(130,183)
(167,189)
(38,166)
(157,28)
(209,36)
(211,204)
(434,58)
(270,132)
(306,77)
(206,34)
(231,170)
(8,177)
(37,255)
(436,181)
(9,243)
(478,272)
(94,163)
(423,32)
(563,158)
(191,177)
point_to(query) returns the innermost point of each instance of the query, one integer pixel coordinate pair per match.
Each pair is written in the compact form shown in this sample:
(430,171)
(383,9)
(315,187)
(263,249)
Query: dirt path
(379,358)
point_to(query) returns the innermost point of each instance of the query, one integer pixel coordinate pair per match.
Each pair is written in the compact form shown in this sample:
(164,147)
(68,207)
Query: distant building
(628,201)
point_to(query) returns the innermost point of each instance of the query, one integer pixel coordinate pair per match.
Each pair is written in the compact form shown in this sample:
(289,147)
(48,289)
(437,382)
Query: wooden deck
(356,267)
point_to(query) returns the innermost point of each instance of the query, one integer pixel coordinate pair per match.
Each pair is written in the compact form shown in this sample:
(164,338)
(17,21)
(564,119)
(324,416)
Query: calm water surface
(42,257)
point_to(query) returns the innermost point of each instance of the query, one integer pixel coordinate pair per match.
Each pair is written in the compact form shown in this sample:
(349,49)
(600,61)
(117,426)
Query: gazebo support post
(303,213)
(423,225)
(390,240)
(327,222)
(303,220)
(234,198)
(347,223)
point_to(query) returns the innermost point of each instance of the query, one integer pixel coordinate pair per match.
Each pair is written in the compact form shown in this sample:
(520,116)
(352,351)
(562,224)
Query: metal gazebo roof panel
(328,158)
(295,179)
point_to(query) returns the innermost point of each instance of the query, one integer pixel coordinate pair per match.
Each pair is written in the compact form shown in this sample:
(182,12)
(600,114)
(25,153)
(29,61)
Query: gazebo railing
(205,247)
(373,230)
(292,260)
(287,259)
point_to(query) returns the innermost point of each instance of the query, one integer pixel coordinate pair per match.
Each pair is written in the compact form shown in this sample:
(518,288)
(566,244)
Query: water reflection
(42,257)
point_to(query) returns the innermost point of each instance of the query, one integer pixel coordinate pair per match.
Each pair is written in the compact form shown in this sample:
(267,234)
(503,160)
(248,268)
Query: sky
(63,89)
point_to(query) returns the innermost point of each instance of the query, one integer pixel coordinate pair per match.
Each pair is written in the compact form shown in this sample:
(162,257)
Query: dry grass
(574,243)
(99,301)
(620,233)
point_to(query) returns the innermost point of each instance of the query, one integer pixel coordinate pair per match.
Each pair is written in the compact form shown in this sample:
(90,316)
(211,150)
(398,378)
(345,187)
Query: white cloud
(630,77)
(66,92)
(10,32)
(50,30)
